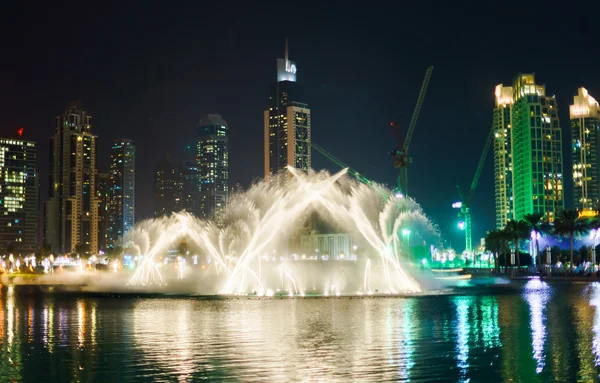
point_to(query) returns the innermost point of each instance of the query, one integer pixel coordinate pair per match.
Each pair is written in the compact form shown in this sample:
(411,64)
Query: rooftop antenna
(286,51)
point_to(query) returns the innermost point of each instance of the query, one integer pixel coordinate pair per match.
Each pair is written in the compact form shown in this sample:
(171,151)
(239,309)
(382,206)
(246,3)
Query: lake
(537,332)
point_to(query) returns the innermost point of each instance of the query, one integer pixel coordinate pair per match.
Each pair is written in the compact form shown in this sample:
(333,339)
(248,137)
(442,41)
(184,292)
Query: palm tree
(493,243)
(569,224)
(516,231)
(536,224)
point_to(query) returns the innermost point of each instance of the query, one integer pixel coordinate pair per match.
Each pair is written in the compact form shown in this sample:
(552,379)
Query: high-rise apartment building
(503,174)
(287,123)
(18,196)
(213,163)
(191,200)
(168,186)
(121,202)
(585,149)
(536,150)
(72,207)
(102,192)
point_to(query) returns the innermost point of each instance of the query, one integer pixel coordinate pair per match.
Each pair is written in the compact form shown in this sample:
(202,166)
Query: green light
(405,232)
(424,261)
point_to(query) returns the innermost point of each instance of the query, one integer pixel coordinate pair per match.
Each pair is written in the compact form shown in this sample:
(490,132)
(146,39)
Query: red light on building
(20,132)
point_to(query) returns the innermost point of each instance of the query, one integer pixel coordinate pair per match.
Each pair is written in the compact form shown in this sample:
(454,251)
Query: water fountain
(243,254)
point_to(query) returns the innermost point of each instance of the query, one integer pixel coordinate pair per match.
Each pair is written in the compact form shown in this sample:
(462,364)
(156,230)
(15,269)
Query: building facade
(191,200)
(121,202)
(585,150)
(503,174)
(102,192)
(72,206)
(168,186)
(329,246)
(18,196)
(536,150)
(213,163)
(287,122)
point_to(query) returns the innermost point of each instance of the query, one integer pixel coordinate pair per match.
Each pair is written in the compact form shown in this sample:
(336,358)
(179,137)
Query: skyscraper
(72,207)
(536,150)
(213,163)
(503,175)
(102,191)
(287,124)
(168,186)
(585,149)
(191,201)
(18,195)
(121,202)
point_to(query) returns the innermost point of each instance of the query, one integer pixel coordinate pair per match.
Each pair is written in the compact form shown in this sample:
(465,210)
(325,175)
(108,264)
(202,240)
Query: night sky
(149,73)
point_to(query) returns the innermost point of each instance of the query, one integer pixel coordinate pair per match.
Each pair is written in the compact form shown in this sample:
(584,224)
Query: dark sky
(149,73)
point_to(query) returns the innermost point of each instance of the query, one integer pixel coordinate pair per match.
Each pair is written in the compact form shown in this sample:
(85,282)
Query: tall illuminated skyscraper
(102,191)
(287,124)
(213,165)
(191,199)
(536,150)
(585,149)
(18,196)
(503,174)
(121,201)
(168,187)
(72,207)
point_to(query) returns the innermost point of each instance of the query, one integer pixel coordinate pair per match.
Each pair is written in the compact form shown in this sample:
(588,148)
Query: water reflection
(530,337)
(595,301)
(462,336)
(537,294)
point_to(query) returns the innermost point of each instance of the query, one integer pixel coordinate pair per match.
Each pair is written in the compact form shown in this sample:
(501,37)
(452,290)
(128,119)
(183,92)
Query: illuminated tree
(536,223)
(569,224)
(517,231)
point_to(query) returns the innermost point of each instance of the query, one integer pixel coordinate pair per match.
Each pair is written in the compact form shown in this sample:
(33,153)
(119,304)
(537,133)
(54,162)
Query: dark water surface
(541,333)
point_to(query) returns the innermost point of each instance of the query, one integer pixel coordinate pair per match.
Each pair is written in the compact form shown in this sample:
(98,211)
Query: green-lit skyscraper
(503,174)
(536,150)
(585,149)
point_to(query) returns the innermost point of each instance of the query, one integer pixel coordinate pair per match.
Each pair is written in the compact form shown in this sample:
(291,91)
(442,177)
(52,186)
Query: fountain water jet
(255,220)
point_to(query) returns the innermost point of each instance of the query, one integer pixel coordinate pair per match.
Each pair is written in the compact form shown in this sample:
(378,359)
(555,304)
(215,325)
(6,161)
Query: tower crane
(400,153)
(336,161)
(465,204)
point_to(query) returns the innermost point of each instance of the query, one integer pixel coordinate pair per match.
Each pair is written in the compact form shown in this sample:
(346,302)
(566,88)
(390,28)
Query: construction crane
(465,204)
(336,161)
(400,153)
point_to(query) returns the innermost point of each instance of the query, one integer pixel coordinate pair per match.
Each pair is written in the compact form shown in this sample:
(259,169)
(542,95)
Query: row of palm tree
(567,224)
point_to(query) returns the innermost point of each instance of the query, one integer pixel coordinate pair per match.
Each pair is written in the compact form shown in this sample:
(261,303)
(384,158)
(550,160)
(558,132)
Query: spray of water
(245,253)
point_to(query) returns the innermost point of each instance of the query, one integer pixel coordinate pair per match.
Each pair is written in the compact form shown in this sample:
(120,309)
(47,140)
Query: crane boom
(465,207)
(339,163)
(415,116)
(486,149)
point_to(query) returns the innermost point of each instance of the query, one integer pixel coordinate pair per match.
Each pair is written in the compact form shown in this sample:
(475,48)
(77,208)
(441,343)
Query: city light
(461,225)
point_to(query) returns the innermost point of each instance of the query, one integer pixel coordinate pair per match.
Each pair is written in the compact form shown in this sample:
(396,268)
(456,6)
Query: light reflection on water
(537,294)
(448,338)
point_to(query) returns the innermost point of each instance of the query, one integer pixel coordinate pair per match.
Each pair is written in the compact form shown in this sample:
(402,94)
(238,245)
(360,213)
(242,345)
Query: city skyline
(357,80)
